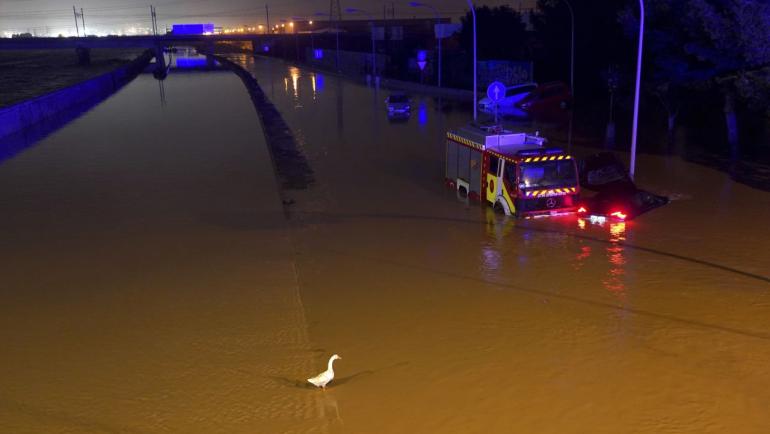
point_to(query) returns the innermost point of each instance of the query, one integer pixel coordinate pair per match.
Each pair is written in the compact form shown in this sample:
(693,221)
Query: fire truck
(516,173)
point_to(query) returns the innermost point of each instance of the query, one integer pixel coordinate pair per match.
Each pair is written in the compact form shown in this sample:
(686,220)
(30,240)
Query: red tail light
(619,214)
(582,209)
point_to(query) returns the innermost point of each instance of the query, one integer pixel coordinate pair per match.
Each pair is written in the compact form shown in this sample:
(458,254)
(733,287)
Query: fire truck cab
(513,172)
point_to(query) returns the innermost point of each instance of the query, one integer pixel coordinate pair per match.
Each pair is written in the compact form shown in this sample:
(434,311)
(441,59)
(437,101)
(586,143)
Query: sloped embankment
(292,167)
(25,114)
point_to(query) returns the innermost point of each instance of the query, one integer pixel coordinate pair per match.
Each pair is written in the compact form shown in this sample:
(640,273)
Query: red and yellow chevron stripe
(550,192)
(547,158)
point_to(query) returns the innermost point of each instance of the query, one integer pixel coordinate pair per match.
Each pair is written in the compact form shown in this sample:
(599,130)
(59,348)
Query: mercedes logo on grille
(550,203)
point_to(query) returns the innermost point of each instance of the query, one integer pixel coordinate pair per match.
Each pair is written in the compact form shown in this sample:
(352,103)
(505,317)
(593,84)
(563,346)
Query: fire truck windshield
(560,173)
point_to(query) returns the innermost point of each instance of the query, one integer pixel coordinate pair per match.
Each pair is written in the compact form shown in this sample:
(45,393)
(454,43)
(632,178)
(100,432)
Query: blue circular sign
(496,91)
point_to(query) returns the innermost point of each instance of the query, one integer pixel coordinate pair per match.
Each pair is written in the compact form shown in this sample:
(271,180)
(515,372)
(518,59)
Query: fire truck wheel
(501,208)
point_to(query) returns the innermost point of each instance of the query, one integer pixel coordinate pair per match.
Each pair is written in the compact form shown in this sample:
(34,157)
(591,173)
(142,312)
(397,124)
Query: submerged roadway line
(702,262)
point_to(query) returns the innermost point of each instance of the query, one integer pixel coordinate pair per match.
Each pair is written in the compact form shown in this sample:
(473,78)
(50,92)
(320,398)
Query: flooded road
(148,284)
(452,319)
(153,281)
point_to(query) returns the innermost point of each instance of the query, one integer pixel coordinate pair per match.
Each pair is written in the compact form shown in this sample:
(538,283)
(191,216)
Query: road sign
(422,57)
(496,91)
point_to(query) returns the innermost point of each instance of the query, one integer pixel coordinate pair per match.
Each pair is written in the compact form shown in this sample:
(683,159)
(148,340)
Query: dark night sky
(105,16)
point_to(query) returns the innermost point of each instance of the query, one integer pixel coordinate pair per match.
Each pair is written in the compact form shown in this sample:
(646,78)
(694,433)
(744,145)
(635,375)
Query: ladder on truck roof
(506,141)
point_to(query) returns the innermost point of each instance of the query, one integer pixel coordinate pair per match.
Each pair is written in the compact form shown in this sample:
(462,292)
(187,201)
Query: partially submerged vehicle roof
(521,86)
(603,171)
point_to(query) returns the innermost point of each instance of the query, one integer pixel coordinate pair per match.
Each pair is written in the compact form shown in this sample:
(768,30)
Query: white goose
(322,379)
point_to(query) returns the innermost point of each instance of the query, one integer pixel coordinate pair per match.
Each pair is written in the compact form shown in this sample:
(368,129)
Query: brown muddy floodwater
(153,282)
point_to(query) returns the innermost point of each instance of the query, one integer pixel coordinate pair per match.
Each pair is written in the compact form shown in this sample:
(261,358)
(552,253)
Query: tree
(708,43)
(598,41)
(729,39)
(665,56)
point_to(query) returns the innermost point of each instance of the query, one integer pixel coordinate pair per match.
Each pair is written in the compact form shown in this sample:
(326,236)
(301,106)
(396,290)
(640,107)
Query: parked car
(513,94)
(399,105)
(547,97)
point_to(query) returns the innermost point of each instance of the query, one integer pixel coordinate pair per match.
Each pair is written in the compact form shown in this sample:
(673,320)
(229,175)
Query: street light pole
(371,25)
(475,87)
(438,21)
(636,95)
(299,19)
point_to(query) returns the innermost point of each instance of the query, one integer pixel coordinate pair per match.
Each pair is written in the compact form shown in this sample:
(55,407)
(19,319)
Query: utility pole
(75,13)
(83,18)
(475,86)
(154,20)
(335,13)
(636,91)
(267,18)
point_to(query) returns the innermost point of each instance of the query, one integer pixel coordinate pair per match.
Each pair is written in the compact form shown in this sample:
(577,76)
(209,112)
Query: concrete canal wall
(292,168)
(18,117)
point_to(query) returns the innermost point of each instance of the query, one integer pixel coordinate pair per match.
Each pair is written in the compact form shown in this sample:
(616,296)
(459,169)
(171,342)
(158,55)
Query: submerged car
(398,104)
(617,197)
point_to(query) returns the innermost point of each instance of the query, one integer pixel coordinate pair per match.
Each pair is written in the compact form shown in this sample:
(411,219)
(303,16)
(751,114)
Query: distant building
(21,35)
(395,29)
(192,29)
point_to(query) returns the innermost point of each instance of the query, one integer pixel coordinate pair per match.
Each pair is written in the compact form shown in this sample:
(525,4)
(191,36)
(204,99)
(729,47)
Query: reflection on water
(614,280)
(313,83)
(581,223)
(328,408)
(580,258)
(497,231)
(422,113)
(294,74)
(490,259)
(618,231)
(162,91)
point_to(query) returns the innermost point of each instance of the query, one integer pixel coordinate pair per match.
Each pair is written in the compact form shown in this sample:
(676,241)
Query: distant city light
(310,22)
(422,113)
